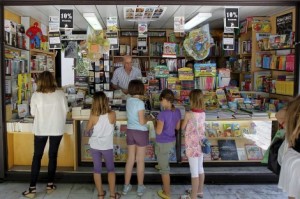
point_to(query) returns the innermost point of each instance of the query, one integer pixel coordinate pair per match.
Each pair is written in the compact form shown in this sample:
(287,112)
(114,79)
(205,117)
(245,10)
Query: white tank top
(102,137)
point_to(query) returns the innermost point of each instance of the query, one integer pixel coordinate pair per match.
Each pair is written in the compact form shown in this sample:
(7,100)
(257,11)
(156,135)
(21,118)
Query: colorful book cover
(150,153)
(123,129)
(236,130)
(207,157)
(221,97)
(169,50)
(228,150)
(86,155)
(183,153)
(227,131)
(215,153)
(253,152)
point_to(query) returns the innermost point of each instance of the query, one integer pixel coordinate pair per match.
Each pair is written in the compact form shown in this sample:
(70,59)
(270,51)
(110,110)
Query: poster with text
(284,24)
(178,24)
(66,18)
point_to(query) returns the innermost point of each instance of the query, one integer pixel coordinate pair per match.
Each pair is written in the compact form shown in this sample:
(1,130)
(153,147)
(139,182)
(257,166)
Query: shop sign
(228,41)
(54,40)
(178,24)
(66,18)
(232,17)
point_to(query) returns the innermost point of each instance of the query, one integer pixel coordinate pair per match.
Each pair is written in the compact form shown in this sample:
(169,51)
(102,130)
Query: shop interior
(246,73)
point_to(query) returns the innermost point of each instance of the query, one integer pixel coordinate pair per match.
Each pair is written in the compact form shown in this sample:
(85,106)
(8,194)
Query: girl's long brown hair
(100,104)
(46,83)
(196,99)
(293,121)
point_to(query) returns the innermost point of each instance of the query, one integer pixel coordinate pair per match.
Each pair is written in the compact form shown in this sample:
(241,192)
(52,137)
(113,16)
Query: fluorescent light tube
(92,19)
(199,18)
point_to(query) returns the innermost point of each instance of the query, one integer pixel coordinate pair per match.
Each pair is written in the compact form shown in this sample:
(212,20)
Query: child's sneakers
(141,190)
(126,189)
(162,194)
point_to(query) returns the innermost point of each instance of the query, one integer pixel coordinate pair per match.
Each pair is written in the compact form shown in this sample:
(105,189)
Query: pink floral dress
(192,137)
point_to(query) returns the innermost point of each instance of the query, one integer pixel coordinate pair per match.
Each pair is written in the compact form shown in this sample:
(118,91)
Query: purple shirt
(170,119)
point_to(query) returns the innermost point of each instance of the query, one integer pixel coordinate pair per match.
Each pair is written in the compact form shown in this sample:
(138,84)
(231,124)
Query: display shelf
(275,49)
(15,48)
(277,70)
(41,51)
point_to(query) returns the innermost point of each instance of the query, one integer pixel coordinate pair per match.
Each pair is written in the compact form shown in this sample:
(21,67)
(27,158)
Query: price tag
(66,18)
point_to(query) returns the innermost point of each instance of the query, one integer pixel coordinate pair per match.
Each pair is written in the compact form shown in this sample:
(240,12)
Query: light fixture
(199,18)
(92,19)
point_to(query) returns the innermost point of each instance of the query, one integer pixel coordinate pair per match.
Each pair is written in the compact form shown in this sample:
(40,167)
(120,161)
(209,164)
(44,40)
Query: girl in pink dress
(193,125)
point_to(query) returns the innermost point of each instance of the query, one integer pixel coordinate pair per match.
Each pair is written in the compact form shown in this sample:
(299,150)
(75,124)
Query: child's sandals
(189,192)
(30,193)
(50,188)
(102,196)
(116,196)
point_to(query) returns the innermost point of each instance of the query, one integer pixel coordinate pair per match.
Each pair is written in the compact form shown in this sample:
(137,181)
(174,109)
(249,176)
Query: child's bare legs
(195,187)
(129,163)
(140,161)
(98,183)
(166,184)
(112,182)
(201,183)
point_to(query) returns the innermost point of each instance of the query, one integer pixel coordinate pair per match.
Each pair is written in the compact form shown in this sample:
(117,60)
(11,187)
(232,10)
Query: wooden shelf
(14,48)
(277,70)
(38,71)
(245,55)
(281,94)
(41,51)
(291,48)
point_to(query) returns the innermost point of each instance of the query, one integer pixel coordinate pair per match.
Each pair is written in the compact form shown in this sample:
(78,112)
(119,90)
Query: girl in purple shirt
(167,121)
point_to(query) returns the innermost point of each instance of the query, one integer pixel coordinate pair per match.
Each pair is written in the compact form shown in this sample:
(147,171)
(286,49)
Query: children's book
(227,130)
(228,150)
(215,153)
(150,154)
(253,152)
(241,153)
(221,97)
(235,128)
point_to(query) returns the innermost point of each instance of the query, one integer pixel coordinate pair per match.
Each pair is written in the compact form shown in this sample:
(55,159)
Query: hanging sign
(142,29)
(142,43)
(112,24)
(54,40)
(232,17)
(113,40)
(66,18)
(53,23)
(178,24)
(228,41)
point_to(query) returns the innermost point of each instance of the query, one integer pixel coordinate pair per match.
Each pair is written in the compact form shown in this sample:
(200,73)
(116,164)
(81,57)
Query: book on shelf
(215,153)
(242,154)
(228,150)
(150,152)
(253,152)
(183,153)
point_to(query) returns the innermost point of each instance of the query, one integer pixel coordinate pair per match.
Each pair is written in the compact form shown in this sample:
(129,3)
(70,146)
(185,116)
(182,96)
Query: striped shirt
(122,79)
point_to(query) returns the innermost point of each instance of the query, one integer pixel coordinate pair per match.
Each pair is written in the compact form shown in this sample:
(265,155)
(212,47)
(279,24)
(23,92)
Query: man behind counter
(123,75)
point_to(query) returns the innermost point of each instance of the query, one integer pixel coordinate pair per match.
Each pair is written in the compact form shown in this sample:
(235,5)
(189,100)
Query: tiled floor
(12,190)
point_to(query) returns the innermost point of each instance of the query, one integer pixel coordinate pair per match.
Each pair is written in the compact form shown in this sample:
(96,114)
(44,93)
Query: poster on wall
(232,17)
(54,40)
(66,18)
(178,24)
(284,24)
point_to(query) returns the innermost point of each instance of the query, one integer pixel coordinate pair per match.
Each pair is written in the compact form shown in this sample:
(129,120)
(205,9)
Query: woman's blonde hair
(293,121)
(196,99)
(46,83)
(100,104)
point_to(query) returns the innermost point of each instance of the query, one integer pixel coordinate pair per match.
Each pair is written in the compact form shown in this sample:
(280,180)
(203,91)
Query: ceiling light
(92,19)
(199,18)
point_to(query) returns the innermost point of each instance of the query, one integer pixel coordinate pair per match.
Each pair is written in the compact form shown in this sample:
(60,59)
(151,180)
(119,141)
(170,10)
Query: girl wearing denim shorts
(137,136)
(167,121)
(101,124)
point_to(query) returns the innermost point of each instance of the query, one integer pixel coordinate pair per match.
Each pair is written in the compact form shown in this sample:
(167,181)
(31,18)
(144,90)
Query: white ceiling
(42,14)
